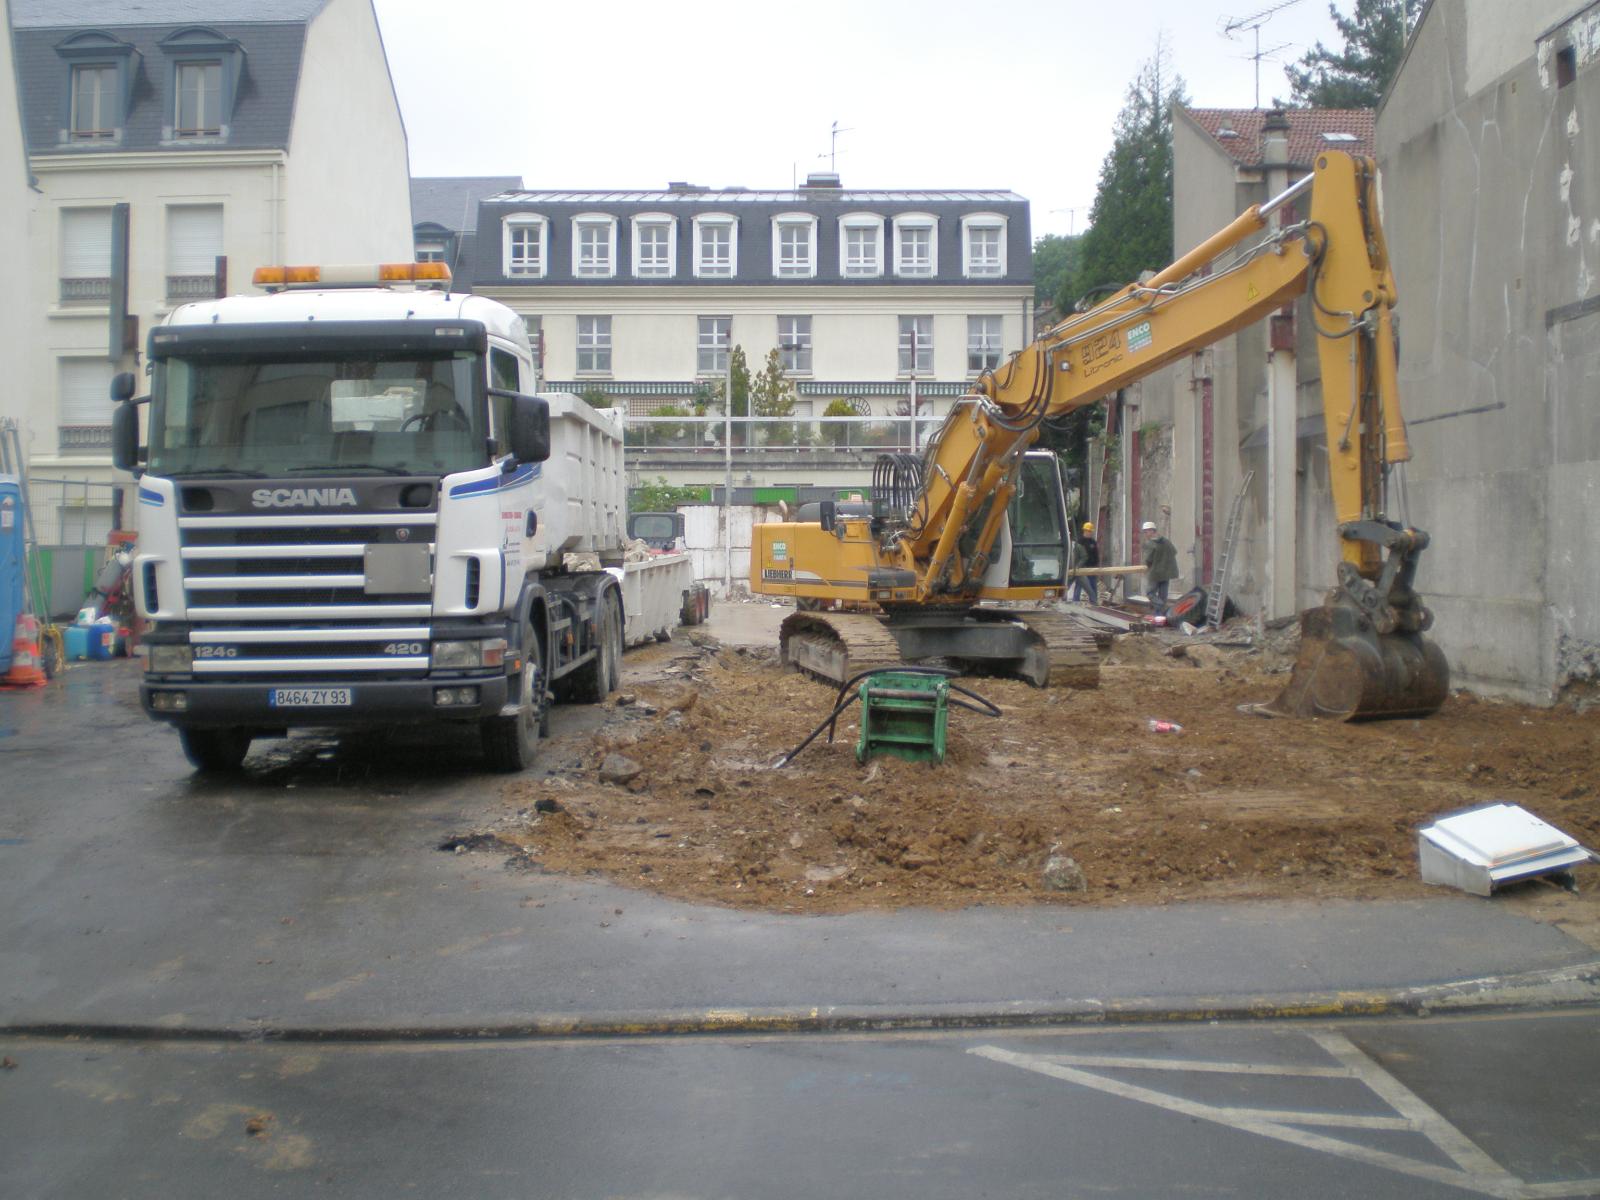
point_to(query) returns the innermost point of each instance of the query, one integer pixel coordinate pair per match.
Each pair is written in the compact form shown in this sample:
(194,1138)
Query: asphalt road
(280,984)
(1377,1108)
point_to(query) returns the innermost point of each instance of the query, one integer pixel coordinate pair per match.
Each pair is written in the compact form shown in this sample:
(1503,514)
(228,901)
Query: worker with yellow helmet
(1086,553)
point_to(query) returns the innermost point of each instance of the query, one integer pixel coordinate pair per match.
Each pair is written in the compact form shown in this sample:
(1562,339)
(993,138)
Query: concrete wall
(348,197)
(16,214)
(1492,205)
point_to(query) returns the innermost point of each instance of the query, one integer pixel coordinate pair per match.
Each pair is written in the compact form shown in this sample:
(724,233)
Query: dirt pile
(1232,806)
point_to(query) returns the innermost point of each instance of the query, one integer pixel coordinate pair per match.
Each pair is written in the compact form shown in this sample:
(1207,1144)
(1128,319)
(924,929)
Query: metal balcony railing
(84,439)
(705,436)
(86,291)
(181,288)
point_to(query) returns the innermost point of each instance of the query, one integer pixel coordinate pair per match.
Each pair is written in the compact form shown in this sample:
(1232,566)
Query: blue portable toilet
(13,560)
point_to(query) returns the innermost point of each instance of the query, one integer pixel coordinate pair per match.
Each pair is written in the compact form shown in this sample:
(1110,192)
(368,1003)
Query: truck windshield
(403,412)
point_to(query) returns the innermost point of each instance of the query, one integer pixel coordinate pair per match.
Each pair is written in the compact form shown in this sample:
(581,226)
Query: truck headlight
(167,660)
(454,656)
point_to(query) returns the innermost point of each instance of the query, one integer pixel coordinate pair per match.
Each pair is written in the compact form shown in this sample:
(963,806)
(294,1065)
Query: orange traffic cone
(26,656)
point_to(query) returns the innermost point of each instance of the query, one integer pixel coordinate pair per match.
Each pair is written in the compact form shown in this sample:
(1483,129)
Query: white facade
(337,190)
(16,210)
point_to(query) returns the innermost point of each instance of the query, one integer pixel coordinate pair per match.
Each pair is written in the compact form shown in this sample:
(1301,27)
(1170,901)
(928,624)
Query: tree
(772,394)
(1055,262)
(1357,76)
(1130,227)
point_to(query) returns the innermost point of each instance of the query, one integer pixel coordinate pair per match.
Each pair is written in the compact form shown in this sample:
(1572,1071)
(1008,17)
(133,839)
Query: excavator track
(1075,650)
(835,646)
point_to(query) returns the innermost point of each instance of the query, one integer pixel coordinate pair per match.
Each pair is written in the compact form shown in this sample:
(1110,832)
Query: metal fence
(706,435)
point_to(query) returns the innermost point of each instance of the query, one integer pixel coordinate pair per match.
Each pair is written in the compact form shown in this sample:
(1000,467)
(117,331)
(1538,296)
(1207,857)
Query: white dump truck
(355,511)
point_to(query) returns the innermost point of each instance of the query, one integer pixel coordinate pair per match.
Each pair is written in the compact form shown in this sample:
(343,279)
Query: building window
(526,242)
(916,345)
(194,243)
(916,250)
(95,107)
(715,333)
(861,246)
(983,245)
(430,251)
(594,345)
(85,256)
(535,327)
(794,344)
(83,411)
(594,246)
(199,111)
(983,344)
(716,245)
(794,246)
(655,246)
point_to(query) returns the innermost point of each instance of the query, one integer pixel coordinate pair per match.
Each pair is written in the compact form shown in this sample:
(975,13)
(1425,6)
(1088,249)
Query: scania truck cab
(348,517)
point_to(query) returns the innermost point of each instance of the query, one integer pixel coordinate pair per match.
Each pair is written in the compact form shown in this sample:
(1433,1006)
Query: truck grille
(284,597)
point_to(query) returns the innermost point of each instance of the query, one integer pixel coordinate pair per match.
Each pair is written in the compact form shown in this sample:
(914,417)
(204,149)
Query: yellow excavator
(976,517)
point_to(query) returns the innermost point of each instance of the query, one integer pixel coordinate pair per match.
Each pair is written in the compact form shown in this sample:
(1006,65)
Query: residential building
(1489,143)
(1250,404)
(870,298)
(17,202)
(444,214)
(178,145)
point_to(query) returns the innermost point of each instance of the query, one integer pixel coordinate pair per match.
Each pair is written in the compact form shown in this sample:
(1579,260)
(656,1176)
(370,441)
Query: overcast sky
(1017,94)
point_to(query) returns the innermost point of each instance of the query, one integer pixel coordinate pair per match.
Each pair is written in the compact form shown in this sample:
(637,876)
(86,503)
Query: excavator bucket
(1348,671)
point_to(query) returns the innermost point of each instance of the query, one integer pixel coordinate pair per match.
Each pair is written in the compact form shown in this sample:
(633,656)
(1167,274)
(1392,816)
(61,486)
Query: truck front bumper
(218,705)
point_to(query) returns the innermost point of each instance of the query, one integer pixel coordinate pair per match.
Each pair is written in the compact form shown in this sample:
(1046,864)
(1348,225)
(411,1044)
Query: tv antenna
(1253,23)
(833,146)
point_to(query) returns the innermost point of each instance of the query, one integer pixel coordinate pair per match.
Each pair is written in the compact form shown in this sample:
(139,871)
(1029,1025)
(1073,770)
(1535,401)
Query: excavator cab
(1037,521)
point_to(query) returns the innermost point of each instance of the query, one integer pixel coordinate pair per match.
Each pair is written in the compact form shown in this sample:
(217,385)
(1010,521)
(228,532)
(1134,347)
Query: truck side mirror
(125,435)
(122,385)
(530,429)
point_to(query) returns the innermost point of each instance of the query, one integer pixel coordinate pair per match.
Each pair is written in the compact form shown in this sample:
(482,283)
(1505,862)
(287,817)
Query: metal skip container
(1479,849)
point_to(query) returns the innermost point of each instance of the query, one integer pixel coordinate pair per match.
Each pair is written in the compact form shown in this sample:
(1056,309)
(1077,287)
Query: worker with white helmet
(1161,566)
(1086,553)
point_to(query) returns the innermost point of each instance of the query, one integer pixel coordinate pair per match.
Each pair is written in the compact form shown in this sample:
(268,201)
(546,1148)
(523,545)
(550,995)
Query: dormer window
(794,245)
(525,249)
(95,110)
(99,81)
(716,245)
(199,112)
(204,73)
(983,245)
(916,244)
(594,246)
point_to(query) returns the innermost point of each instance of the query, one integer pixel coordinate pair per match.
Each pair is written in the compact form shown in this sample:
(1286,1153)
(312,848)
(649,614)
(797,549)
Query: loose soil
(1233,806)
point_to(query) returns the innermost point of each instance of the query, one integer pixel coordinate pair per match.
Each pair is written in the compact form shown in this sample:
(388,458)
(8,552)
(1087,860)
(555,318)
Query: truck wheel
(215,751)
(510,743)
(593,682)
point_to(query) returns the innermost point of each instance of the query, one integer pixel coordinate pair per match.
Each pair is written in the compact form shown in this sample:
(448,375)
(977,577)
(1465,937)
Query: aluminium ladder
(1216,596)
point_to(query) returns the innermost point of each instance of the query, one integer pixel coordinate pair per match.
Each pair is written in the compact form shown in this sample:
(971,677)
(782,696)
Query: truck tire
(511,743)
(215,751)
(594,681)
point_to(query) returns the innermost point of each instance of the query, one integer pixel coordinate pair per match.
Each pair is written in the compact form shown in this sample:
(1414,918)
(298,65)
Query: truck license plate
(309,698)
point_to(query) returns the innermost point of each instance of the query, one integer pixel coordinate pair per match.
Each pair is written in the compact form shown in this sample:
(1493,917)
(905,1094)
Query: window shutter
(86,243)
(194,239)
(85,392)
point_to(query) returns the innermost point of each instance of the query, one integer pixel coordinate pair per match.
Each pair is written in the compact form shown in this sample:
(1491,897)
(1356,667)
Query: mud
(1232,806)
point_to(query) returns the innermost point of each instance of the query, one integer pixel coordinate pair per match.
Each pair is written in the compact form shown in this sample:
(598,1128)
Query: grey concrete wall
(1492,207)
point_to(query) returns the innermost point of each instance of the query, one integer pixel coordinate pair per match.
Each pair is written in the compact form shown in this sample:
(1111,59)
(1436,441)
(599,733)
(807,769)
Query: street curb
(1557,988)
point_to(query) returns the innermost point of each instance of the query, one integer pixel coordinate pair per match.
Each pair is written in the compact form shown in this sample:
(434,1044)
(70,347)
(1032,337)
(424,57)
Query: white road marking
(1475,1171)
(1189,1066)
(1456,1145)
